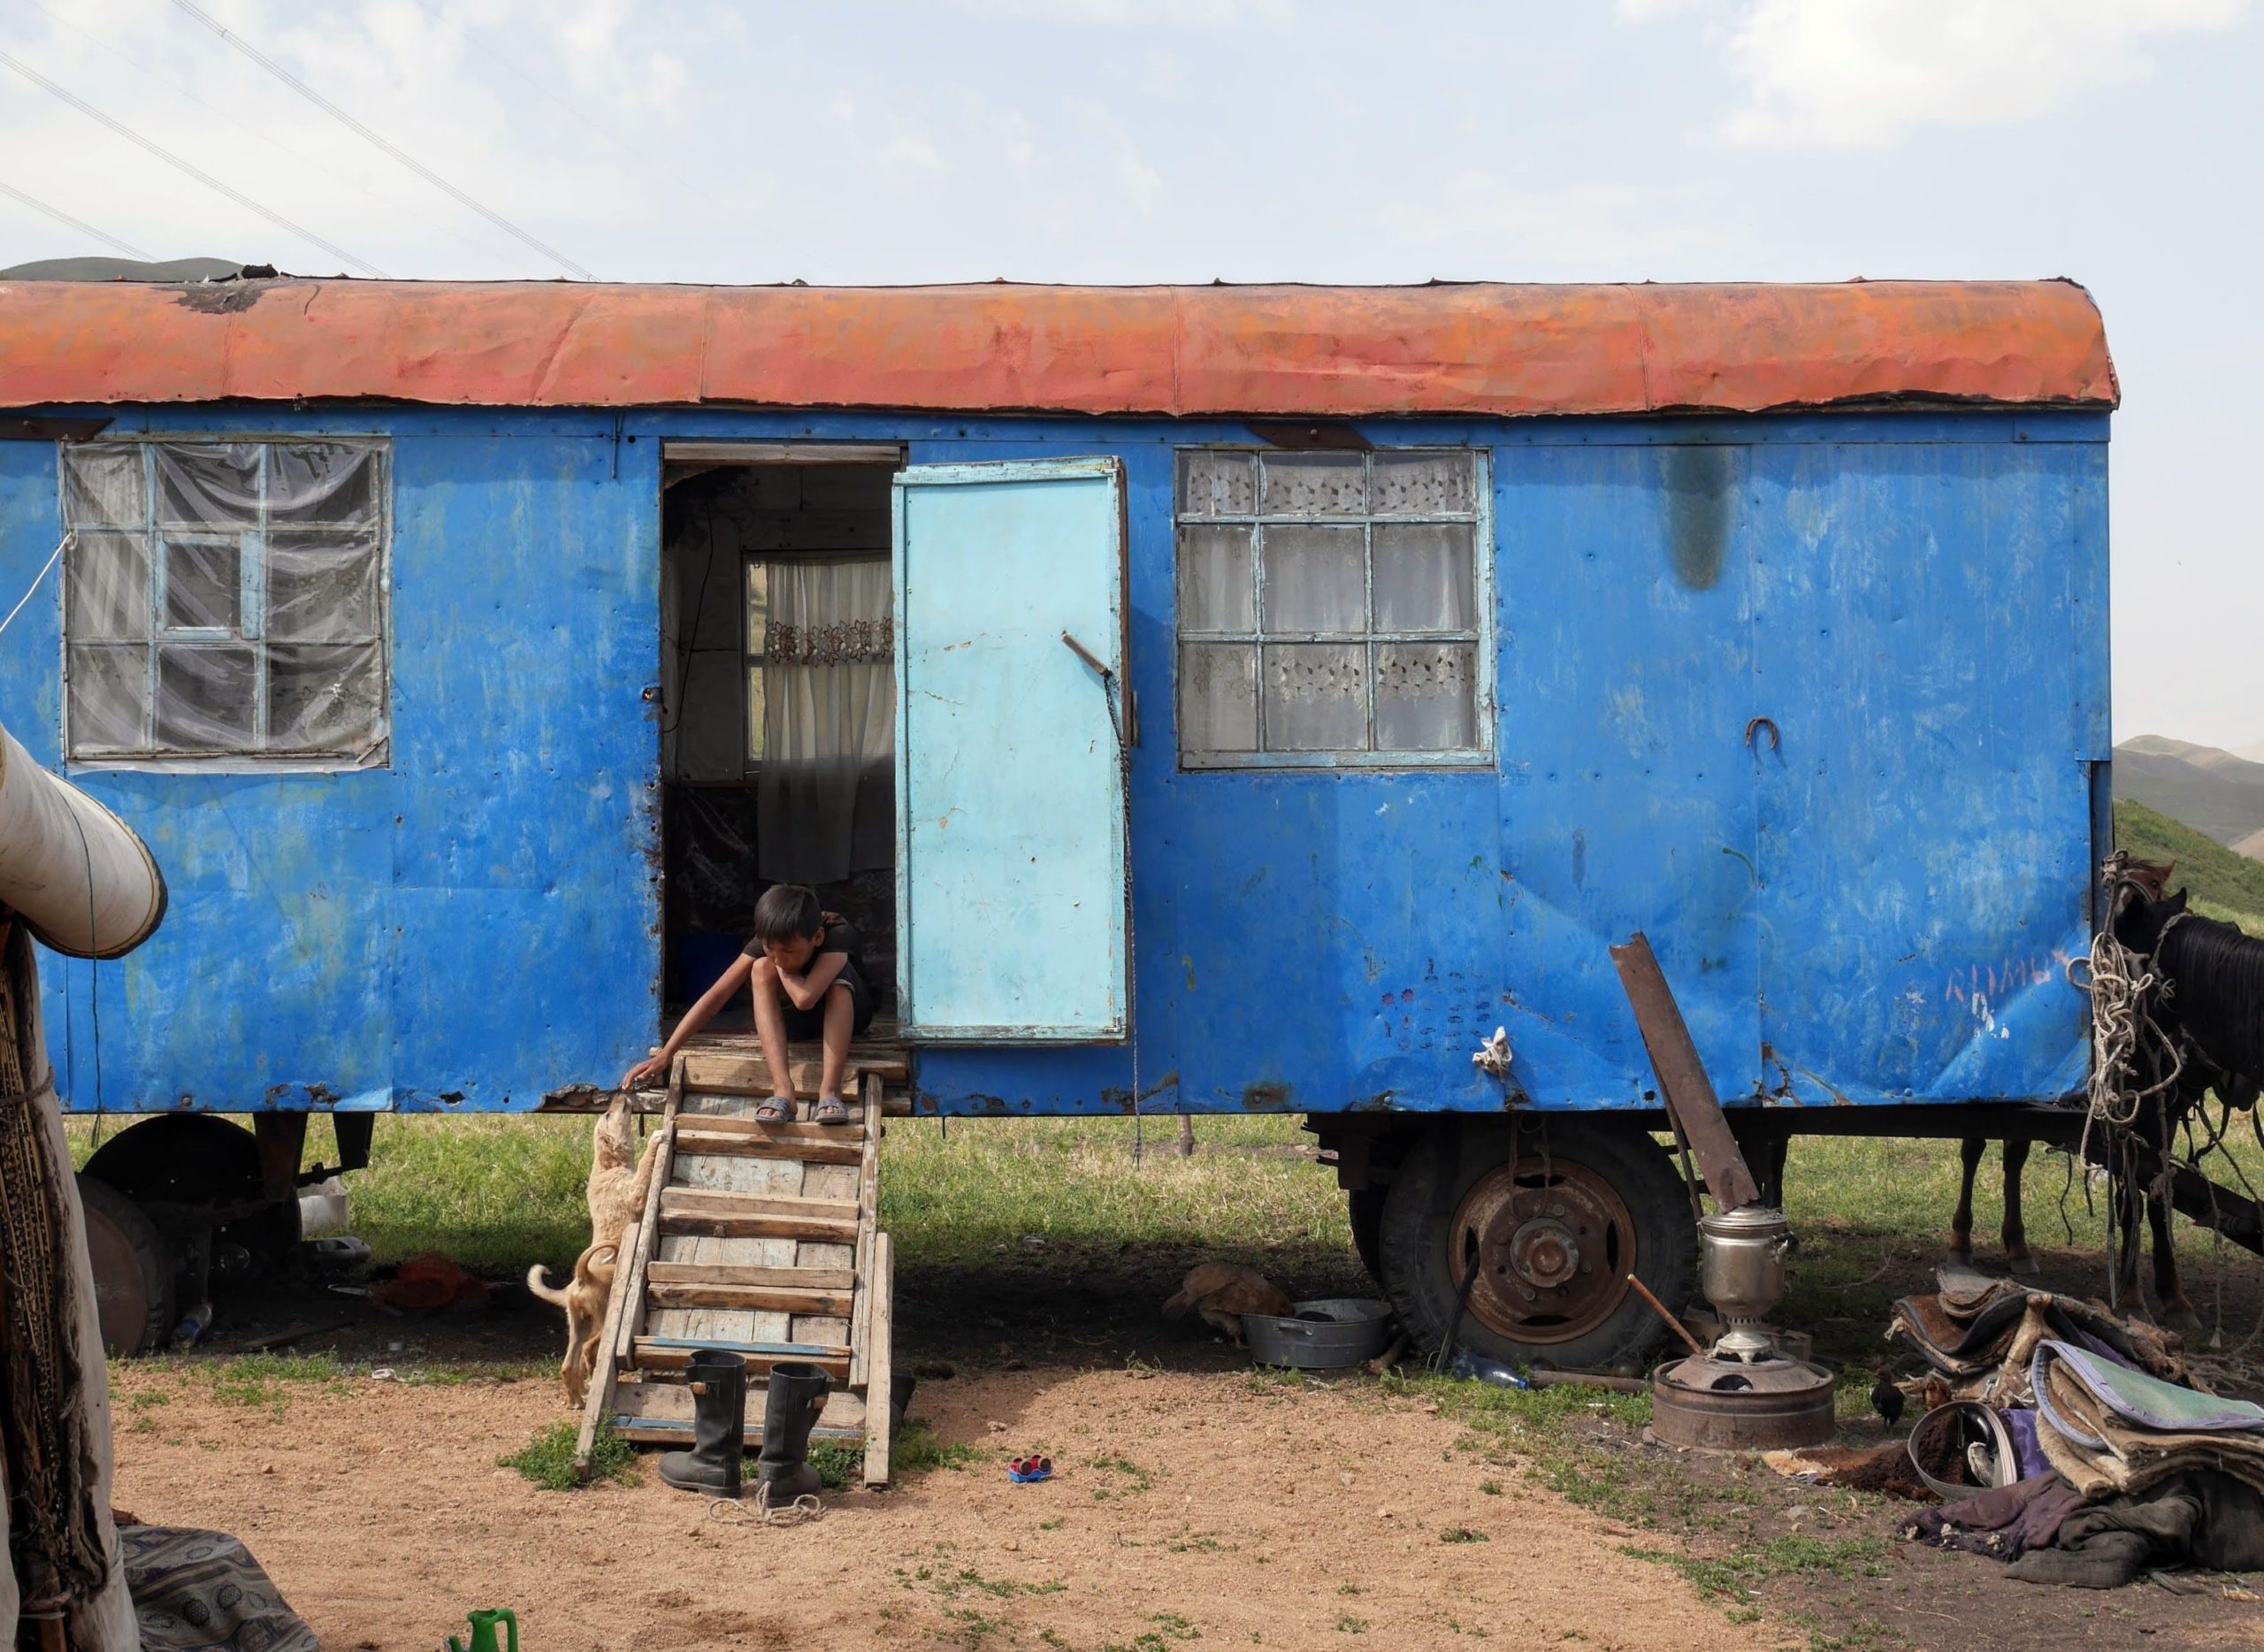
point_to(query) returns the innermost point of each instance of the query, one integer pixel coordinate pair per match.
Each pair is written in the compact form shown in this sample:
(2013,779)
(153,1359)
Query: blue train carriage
(1204,700)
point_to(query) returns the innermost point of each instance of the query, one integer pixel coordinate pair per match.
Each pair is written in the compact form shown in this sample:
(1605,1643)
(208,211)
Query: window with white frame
(225,600)
(1331,607)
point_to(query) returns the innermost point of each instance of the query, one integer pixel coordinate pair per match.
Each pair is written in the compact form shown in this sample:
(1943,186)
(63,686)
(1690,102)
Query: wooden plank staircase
(761,1239)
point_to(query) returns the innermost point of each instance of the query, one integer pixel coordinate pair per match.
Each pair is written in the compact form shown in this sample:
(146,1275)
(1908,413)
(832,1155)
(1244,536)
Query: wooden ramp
(759,1239)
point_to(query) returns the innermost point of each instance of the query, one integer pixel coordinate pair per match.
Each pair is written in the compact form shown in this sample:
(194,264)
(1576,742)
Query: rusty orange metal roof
(1292,352)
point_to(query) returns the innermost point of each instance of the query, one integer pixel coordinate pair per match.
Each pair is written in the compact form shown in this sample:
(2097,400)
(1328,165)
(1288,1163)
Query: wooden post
(879,1363)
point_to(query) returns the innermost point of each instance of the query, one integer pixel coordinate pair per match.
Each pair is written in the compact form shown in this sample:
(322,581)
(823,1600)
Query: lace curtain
(825,802)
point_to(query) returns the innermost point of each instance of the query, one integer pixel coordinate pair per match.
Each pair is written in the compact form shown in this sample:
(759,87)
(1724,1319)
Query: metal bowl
(1345,1331)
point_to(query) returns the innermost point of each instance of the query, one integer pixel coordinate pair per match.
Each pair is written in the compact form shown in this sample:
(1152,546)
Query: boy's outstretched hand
(645,1074)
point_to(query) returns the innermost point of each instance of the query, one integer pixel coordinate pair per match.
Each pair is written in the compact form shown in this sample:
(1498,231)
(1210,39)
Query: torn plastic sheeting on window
(225,600)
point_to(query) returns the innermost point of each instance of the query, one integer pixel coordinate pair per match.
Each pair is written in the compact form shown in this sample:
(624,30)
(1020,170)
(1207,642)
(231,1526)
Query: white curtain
(824,803)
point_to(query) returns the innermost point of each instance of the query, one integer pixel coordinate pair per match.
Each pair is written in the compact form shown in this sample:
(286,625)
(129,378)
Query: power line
(172,160)
(399,154)
(297,155)
(61,217)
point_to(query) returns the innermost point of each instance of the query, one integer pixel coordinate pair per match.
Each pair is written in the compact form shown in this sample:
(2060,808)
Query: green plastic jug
(483,1633)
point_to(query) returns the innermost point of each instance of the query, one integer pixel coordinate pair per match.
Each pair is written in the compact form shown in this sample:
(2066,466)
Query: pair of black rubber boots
(793,1398)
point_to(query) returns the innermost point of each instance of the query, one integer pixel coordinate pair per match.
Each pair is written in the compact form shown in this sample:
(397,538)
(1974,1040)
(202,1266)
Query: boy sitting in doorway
(806,971)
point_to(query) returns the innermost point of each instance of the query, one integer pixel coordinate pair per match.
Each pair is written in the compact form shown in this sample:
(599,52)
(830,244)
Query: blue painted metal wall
(1872,906)
(469,928)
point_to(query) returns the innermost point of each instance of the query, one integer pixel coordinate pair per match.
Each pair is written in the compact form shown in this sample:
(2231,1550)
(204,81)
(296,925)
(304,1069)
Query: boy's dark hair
(787,913)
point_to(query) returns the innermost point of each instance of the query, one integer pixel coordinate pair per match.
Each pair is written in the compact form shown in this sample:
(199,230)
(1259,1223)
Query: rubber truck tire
(1449,1159)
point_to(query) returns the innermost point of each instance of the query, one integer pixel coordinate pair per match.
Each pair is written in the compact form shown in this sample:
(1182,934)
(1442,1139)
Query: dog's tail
(538,1282)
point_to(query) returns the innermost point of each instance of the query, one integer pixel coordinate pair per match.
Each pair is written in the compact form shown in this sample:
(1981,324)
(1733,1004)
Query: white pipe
(71,869)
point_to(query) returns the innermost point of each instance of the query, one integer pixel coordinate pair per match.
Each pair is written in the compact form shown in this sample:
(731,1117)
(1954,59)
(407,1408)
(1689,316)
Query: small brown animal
(1222,1292)
(616,1198)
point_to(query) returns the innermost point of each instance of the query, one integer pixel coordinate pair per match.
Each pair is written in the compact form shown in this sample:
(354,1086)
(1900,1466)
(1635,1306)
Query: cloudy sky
(2118,141)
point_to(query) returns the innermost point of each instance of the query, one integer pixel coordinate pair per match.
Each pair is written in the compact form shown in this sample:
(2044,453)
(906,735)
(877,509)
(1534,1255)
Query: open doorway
(779,709)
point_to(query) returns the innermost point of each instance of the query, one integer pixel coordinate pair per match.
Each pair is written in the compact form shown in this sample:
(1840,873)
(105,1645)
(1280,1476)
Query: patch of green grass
(1734,1575)
(1349,1625)
(1135,1479)
(259,1382)
(549,1458)
(971,1195)
(840,1463)
(1463,1535)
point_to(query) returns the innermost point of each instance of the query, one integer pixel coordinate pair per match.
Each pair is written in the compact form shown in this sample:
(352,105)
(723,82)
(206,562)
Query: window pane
(1218,697)
(1425,483)
(208,483)
(1423,579)
(758,607)
(1316,580)
(1316,698)
(1316,485)
(1426,697)
(107,584)
(204,586)
(102,487)
(207,697)
(322,587)
(1218,484)
(323,697)
(316,481)
(110,694)
(1215,587)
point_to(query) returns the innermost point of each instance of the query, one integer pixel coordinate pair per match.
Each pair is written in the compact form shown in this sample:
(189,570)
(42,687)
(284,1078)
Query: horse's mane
(2219,995)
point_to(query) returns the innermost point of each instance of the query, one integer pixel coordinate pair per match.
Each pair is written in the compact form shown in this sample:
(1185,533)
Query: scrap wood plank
(670,1353)
(745,1298)
(756,1144)
(598,1392)
(632,1318)
(869,1186)
(786,1135)
(733,1273)
(719,1075)
(625,1302)
(694,1209)
(880,1362)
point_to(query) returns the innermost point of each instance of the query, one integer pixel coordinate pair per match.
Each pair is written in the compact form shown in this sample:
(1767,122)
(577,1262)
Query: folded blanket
(2002,1524)
(2102,1452)
(2137,1398)
(2200,1518)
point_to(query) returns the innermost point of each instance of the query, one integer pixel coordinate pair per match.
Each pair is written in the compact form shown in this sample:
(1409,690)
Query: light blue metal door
(1009,799)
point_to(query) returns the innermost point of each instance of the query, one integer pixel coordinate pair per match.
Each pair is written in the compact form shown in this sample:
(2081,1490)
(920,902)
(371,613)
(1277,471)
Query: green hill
(2223,884)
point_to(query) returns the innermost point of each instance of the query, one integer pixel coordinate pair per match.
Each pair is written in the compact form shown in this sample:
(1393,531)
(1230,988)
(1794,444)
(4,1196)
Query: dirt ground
(1285,1519)
(1195,1500)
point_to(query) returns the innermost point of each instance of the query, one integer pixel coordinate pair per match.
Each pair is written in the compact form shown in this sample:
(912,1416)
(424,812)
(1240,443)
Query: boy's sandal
(777,1109)
(831,1110)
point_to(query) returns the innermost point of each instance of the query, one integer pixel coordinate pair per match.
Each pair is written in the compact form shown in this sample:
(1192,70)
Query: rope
(732,1512)
(36,579)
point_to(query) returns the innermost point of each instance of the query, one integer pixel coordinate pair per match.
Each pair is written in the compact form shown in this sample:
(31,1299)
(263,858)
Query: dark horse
(2209,1006)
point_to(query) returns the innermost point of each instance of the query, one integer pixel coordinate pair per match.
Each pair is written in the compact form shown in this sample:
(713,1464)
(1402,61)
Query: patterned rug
(202,1592)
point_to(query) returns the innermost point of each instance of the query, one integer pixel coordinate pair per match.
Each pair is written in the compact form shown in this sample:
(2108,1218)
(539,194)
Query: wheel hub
(1550,1245)
(1544,1254)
